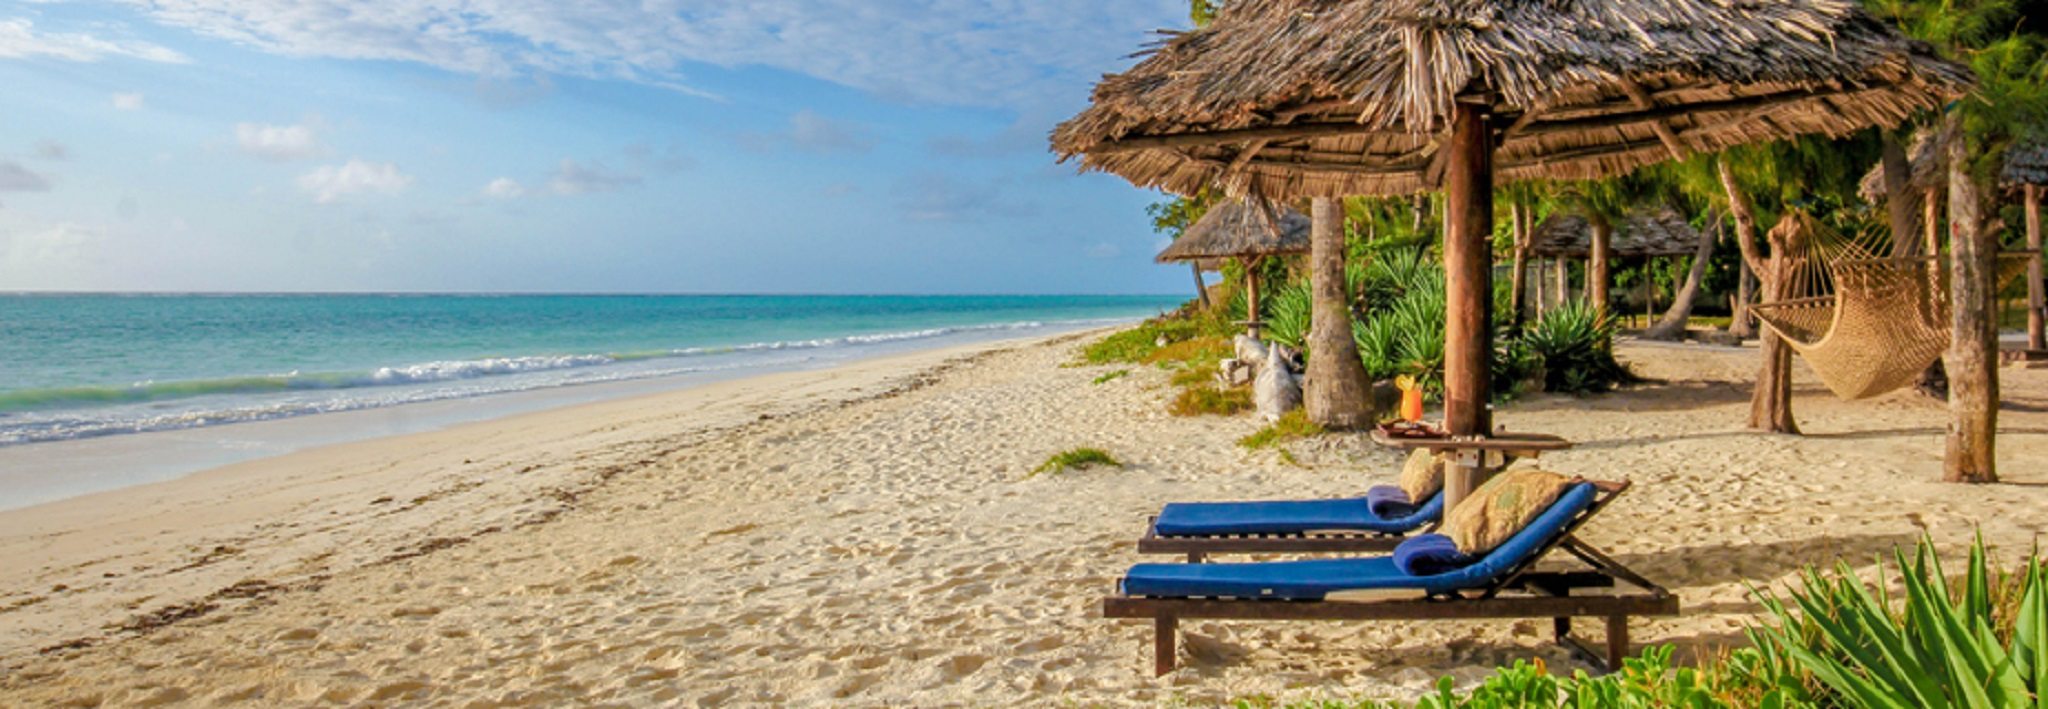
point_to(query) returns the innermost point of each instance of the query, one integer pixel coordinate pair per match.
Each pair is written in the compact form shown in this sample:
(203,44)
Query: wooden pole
(1597,276)
(1933,218)
(1538,299)
(2037,334)
(1516,297)
(1973,343)
(1468,287)
(1251,295)
(1335,388)
(1564,279)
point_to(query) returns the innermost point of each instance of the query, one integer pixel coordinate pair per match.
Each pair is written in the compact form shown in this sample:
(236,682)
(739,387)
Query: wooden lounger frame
(1536,594)
(1199,547)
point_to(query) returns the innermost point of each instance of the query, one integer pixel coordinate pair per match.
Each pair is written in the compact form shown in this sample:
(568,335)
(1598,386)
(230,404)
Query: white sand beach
(870,535)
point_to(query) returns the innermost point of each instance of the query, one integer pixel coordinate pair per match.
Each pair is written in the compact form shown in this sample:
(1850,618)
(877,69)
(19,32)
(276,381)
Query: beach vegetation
(1292,426)
(1574,345)
(1205,352)
(1111,376)
(1209,399)
(1076,459)
(1138,344)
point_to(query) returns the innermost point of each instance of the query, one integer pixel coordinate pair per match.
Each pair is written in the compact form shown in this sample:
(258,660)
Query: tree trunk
(1742,324)
(1933,381)
(1770,405)
(1672,325)
(1516,277)
(2037,330)
(1201,289)
(1335,394)
(1596,263)
(1973,345)
(1468,274)
(1251,295)
(1898,196)
(1539,299)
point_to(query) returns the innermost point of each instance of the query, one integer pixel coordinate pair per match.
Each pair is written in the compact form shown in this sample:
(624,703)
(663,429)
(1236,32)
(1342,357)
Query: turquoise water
(74,366)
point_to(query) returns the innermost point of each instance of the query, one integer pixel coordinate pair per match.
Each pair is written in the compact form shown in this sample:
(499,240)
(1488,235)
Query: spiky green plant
(1937,647)
(1574,345)
(1287,314)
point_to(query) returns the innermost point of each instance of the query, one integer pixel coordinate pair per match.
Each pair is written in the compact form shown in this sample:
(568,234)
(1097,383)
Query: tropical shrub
(1574,345)
(1287,314)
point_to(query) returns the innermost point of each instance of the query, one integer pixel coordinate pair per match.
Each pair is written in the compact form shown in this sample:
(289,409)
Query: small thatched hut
(1643,233)
(1328,98)
(1246,230)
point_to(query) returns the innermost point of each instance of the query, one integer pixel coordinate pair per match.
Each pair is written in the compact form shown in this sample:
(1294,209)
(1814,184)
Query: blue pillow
(1430,555)
(1389,502)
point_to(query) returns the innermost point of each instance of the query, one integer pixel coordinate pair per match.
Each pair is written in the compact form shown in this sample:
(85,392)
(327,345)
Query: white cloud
(966,52)
(15,178)
(128,102)
(294,142)
(1104,250)
(812,133)
(504,188)
(935,197)
(333,182)
(20,40)
(573,178)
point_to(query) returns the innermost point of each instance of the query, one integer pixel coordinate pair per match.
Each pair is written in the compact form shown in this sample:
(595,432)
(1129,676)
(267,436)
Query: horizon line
(641,294)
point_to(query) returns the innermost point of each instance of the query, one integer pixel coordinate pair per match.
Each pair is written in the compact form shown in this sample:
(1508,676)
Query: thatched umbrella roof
(1929,163)
(2026,163)
(1289,98)
(1240,228)
(1643,232)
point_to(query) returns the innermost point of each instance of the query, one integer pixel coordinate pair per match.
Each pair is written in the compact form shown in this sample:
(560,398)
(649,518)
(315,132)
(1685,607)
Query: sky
(653,146)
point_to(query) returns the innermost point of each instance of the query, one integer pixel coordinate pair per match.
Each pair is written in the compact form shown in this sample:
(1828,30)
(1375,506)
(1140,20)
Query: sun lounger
(1346,525)
(1500,584)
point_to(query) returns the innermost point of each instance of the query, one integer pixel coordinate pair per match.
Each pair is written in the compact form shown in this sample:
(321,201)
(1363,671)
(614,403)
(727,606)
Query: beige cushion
(1500,508)
(1423,475)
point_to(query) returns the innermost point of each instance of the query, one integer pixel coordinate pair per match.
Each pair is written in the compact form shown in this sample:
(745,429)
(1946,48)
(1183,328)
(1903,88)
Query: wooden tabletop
(1513,442)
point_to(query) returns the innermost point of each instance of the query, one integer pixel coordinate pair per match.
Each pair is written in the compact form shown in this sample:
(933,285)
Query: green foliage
(1208,399)
(1287,314)
(1111,376)
(1075,459)
(1574,345)
(1293,425)
(1137,345)
(1984,644)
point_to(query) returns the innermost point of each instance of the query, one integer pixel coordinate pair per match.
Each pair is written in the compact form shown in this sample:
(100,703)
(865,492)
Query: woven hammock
(1867,323)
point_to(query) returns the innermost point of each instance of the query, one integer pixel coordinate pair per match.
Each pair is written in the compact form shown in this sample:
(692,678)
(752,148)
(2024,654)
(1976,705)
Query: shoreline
(51,471)
(878,540)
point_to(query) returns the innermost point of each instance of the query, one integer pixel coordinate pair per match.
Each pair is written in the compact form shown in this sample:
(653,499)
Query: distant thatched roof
(2026,163)
(1644,232)
(1287,98)
(1929,163)
(1247,227)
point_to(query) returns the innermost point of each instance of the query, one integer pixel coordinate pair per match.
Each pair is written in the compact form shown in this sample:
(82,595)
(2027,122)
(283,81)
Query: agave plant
(1574,345)
(1287,314)
(1939,648)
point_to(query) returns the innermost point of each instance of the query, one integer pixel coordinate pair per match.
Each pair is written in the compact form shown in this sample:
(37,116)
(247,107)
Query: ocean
(77,366)
(105,391)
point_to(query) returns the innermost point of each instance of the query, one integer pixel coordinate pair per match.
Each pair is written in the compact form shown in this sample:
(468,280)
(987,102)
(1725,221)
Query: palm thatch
(1291,98)
(1929,169)
(1248,228)
(2026,163)
(1643,232)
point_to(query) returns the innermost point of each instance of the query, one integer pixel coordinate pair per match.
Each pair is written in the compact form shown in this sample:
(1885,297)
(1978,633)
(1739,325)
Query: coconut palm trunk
(1335,394)
(1770,404)
(1973,341)
(1597,276)
(1672,325)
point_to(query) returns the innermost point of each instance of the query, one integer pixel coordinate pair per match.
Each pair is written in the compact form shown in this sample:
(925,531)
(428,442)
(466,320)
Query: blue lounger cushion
(1312,580)
(1429,555)
(1389,502)
(1288,517)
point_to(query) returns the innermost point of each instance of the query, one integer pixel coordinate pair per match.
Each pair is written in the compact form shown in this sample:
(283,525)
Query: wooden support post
(1468,268)
(1251,295)
(1597,277)
(2037,330)
(1163,656)
(1617,641)
(1933,217)
(1564,279)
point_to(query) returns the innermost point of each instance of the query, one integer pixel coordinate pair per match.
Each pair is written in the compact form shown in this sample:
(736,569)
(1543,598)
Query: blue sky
(729,146)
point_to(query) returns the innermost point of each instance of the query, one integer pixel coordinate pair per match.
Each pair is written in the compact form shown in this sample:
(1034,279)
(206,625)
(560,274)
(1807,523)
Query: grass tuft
(1075,459)
(1204,399)
(1112,376)
(1292,426)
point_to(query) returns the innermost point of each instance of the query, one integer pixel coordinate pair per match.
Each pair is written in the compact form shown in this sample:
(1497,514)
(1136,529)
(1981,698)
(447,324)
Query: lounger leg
(1196,557)
(1162,644)
(1563,628)
(1617,641)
